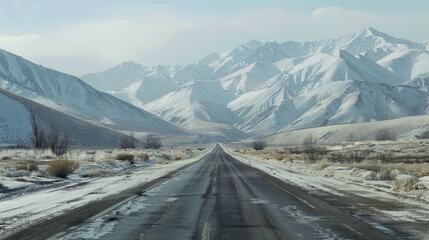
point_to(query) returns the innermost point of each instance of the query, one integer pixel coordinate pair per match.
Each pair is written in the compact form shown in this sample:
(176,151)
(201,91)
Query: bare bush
(128,141)
(357,155)
(39,135)
(258,145)
(311,149)
(385,134)
(62,168)
(385,156)
(58,144)
(153,141)
(309,144)
(44,137)
(336,157)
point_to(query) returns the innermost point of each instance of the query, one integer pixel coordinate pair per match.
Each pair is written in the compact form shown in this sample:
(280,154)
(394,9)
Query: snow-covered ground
(27,198)
(381,199)
(404,128)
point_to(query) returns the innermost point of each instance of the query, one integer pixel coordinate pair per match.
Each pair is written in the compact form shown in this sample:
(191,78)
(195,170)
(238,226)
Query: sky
(83,36)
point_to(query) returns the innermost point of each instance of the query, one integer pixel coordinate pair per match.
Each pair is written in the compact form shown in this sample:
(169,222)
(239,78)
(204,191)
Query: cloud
(168,35)
(327,11)
(109,41)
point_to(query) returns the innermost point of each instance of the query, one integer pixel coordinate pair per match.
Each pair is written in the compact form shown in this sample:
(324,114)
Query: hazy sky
(80,36)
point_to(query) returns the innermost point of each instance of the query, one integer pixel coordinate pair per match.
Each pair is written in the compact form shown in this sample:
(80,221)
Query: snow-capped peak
(374,33)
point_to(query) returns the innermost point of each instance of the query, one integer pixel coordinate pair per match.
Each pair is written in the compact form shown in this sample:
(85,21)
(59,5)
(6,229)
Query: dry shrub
(279,156)
(153,141)
(96,172)
(125,156)
(366,165)
(357,155)
(258,145)
(335,157)
(384,174)
(165,156)
(143,155)
(159,161)
(128,141)
(385,156)
(385,134)
(404,183)
(107,161)
(62,168)
(29,166)
(311,149)
(322,165)
(178,155)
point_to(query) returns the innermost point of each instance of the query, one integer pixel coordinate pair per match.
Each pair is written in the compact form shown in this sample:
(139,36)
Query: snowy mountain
(15,126)
(405,58)
(115,78)
(71,95)
(263,87)
(150,85)
(323,89)
(199,106)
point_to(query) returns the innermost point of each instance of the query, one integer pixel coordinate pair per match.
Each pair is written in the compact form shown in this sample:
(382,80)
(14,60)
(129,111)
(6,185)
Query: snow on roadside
(28,209)
(338,181)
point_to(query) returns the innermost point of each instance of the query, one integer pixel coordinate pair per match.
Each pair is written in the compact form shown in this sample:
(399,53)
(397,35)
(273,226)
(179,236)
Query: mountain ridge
(262,87)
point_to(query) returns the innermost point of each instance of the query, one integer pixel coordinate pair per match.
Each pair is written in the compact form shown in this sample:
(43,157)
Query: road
(217,197)
(222,198)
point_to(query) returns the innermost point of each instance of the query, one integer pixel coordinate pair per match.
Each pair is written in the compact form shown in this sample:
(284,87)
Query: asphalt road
(222,198)
(217,197)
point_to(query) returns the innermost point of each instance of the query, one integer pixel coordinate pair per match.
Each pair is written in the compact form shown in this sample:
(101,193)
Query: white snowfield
(31,208)
(403,128)
(260,88)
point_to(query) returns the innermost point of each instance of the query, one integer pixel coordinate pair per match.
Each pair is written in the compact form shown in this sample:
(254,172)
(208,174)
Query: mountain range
(262,87)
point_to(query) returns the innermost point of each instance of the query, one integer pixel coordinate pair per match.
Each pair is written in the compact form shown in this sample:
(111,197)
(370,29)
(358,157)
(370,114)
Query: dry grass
(96,172)
(322,164)
(107,161)
(143,155)
(159,161)
(29,166)
(165,156)
(386,165)
(178,155)
(62,168)
(404,184)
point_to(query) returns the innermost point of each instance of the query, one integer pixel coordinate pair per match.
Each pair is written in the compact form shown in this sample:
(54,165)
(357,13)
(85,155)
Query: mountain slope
(402,57)
(114,78)
(71,95)
(269,86)
(150,85)
(15,126)
(199,106)
(324,89)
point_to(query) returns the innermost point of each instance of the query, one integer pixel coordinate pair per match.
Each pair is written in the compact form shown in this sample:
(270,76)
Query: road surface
(222,198)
